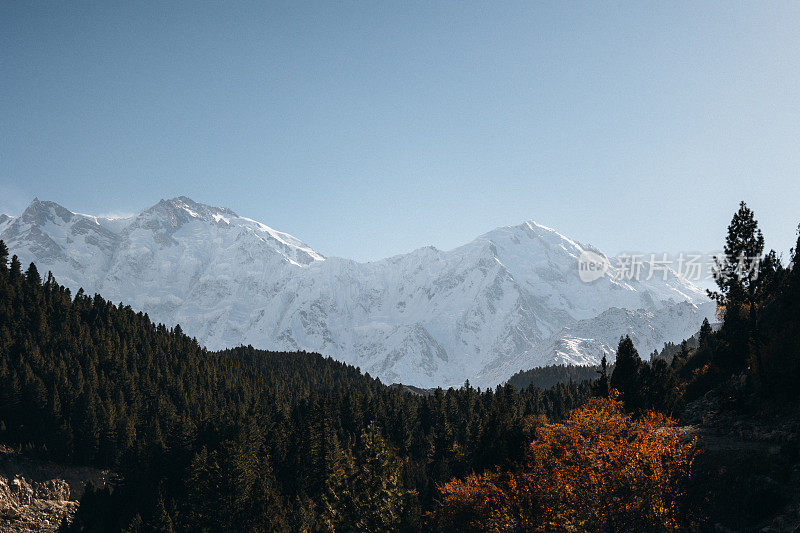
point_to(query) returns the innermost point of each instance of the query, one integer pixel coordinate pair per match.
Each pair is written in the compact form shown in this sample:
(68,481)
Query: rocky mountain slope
(511,299)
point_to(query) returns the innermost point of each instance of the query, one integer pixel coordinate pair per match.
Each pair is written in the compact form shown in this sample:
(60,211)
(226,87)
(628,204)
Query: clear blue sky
(371,128)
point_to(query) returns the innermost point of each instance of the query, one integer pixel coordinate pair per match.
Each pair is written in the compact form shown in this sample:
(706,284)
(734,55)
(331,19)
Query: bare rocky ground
(38,495)
(31,506)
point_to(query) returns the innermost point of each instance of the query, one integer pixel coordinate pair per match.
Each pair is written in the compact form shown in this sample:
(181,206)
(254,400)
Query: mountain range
(510,300)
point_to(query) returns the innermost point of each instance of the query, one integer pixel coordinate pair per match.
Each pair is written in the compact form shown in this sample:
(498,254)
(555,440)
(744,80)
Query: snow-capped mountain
(509,300)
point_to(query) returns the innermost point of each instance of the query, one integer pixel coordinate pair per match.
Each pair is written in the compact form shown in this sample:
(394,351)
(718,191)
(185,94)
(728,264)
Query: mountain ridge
(426,318)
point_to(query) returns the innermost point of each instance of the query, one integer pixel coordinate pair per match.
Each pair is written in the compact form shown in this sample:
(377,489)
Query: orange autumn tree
(598,470)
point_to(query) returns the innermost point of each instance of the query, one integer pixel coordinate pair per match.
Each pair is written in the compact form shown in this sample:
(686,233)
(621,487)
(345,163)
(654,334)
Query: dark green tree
(32,275)
(705,333)
(626,379)
(602,387)
(15,268)
(378,494)
(3,257)
(737,271)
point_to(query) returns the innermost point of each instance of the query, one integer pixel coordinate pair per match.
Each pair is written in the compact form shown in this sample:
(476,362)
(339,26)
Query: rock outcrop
(32,506)
(37,495)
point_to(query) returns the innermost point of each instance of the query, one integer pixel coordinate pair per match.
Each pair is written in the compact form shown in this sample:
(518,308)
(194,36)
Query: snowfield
(510,300)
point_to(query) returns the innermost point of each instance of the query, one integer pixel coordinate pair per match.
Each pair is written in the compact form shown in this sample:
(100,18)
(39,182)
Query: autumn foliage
(598,470)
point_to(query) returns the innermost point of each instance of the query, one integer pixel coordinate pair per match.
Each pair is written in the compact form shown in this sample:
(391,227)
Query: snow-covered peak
(507,242)
(5,220)
(179,210)
(169,215)
(39,213)
(508,300)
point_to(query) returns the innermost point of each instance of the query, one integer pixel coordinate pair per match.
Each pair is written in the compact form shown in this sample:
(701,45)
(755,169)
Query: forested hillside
(545,377)
(240,439)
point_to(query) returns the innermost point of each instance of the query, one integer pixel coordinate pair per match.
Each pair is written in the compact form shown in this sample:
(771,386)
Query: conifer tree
(737,272)
(3,257)
(32,275)
(15,268)
(88,429)
(377,504)
(705,333)
(625,378)
(162,521)
(738,277)
(602,387)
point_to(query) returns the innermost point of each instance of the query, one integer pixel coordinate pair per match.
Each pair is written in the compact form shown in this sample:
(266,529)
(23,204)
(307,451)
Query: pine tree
(88,430)
(705,333)
(32,275)
(15,268)
(776,354)
(791,294)
(625,378)
(378,499)
(737,272)
(266,498)
(3,257)
(602,388)
(738,277)
(336,469)
(660,388)
(162,521)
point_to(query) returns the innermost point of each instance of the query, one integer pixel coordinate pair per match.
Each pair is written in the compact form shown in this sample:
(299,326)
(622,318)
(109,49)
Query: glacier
(509,300)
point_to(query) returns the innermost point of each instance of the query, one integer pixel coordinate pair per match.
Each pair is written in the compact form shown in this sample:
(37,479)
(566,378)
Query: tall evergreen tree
(3,257)
(705,333)
(737,272)
(625,378)
(738,278)
(378,499)
(602,387)
(15,268)
(32,275)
